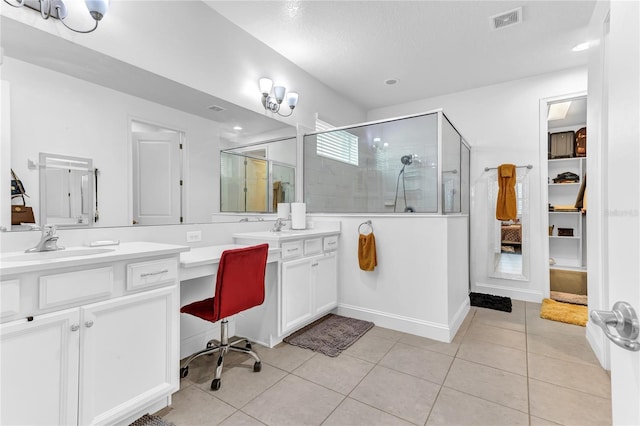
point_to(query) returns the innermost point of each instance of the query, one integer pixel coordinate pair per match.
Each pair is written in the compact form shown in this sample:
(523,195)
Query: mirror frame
(494,227)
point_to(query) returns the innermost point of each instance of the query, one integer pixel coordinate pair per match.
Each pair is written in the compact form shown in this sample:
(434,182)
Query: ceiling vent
(506,19)
(216,108)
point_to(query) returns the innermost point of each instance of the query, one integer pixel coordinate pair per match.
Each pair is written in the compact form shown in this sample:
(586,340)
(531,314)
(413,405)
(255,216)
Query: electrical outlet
(194,236)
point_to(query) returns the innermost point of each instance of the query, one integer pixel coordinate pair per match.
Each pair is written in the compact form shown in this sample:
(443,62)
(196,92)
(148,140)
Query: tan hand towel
(506,208)
(367,252)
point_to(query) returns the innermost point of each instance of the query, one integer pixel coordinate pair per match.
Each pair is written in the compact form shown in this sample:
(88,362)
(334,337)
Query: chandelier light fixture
(58,10)
(272,102)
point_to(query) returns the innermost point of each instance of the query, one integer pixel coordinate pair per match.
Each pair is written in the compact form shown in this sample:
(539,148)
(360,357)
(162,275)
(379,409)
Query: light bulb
(265,85)
(97,8)
(278,91)
(292,99)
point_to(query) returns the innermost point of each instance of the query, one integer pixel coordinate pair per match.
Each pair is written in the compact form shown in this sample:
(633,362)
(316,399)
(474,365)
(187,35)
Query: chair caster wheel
(215,385)
(184,372)
(257,366)
(248,346)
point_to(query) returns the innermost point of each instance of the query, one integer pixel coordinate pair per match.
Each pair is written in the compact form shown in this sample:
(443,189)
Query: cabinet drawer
(292,249)
(10,297)
(152,273)
(313,246)
(73,287)
(330,243)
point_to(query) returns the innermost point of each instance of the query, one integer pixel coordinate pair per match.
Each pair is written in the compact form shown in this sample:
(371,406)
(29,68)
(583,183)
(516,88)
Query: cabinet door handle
(88,324)
(75,327)
(314,264)
(148,274)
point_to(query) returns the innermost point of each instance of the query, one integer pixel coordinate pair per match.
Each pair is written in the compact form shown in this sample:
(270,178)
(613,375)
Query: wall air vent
(216,108)
(506,19)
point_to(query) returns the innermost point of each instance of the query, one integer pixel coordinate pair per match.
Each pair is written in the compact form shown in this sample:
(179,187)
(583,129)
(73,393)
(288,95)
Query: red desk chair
(239,286)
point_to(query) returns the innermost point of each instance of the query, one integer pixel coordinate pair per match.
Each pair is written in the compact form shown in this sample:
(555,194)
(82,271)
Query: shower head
(406,159)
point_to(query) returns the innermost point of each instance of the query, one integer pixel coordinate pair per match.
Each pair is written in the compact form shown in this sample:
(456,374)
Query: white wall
(55,113)
(420,285)
(501,123)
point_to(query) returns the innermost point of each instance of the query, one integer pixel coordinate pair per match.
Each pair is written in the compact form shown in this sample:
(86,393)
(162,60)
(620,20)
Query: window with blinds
(339,145)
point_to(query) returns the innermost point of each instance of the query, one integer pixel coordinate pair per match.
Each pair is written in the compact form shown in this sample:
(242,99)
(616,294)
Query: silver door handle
(624,319)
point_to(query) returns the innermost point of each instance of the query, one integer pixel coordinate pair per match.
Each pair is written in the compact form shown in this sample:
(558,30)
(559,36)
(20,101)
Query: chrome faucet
(48,240)
(277,227)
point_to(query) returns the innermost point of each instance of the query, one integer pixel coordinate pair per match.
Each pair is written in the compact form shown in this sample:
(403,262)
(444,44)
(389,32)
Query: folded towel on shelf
(506,208)
(367,258)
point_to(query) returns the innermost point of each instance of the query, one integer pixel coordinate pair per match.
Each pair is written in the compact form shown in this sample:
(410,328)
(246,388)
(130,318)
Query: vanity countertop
(20,262)
(287,234)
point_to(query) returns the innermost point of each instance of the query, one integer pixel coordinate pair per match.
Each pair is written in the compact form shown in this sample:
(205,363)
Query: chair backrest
(240,280)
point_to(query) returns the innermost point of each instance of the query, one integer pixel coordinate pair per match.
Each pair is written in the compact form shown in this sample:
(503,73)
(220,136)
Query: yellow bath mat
(564,312)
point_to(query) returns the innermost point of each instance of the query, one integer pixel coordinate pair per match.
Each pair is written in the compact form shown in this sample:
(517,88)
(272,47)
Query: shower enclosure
(254,184)
(414,164)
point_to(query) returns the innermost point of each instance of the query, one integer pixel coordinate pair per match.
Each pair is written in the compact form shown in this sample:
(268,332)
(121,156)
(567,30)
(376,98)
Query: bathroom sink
(45,255)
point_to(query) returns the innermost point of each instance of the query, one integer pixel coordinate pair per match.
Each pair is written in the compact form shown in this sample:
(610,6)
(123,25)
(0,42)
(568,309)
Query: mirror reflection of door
(156,178)
(256,182)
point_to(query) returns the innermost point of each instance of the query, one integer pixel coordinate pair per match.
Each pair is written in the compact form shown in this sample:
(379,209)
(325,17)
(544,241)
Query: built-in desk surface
(203,261)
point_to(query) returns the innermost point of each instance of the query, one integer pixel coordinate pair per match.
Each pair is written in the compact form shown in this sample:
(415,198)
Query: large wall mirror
(93,106)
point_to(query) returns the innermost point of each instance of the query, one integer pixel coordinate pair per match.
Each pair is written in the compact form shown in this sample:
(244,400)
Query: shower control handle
(625,321)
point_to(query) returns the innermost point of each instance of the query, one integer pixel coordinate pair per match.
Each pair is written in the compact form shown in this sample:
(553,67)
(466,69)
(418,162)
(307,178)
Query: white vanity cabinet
(40,370)
(97,356)
(307,278)
(309,289)
(128,355)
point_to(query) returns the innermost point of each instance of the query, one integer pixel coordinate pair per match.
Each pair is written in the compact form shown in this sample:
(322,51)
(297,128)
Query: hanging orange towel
(367,252)
(506,208)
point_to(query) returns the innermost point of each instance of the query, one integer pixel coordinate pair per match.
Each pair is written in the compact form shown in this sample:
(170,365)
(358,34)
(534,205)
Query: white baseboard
(525,295)
(431,330)
(458,318)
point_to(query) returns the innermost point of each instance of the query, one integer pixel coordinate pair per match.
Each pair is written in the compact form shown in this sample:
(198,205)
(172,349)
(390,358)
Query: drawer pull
(293,249)
(75,327)
(332,243)
(148,274)
(89,324)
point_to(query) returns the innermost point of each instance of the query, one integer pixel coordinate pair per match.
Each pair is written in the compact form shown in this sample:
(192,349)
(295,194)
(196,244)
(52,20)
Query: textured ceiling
(431,47)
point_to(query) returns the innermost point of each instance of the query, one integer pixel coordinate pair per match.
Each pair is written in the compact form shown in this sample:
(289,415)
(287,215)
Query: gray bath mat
(330,335)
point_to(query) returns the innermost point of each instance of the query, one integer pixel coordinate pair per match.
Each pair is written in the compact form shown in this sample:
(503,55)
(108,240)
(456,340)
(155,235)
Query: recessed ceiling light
(237,128)
(376,139)
(391,81)
(582,46)
(386,144)
(558,111)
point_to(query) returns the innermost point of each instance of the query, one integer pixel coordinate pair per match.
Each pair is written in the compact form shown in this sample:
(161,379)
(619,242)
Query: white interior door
(156,178)
(623,190)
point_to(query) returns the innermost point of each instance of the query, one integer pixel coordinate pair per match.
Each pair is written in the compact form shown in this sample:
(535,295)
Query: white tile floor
(501,369)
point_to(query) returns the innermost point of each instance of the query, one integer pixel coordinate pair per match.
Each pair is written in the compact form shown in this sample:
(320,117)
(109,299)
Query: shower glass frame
(444,151)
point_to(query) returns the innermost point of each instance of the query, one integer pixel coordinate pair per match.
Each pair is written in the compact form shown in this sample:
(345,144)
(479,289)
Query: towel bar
(367,223)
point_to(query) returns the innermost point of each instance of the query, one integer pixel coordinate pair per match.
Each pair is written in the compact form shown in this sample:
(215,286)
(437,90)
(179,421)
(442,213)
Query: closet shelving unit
(567,252)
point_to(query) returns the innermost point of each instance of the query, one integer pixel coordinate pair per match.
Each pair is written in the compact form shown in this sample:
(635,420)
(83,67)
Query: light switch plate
(193,236)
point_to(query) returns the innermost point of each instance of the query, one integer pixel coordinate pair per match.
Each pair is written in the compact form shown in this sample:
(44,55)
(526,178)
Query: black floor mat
(499,303)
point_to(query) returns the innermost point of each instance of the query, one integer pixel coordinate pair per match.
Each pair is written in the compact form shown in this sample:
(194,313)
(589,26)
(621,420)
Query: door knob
(625,321)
